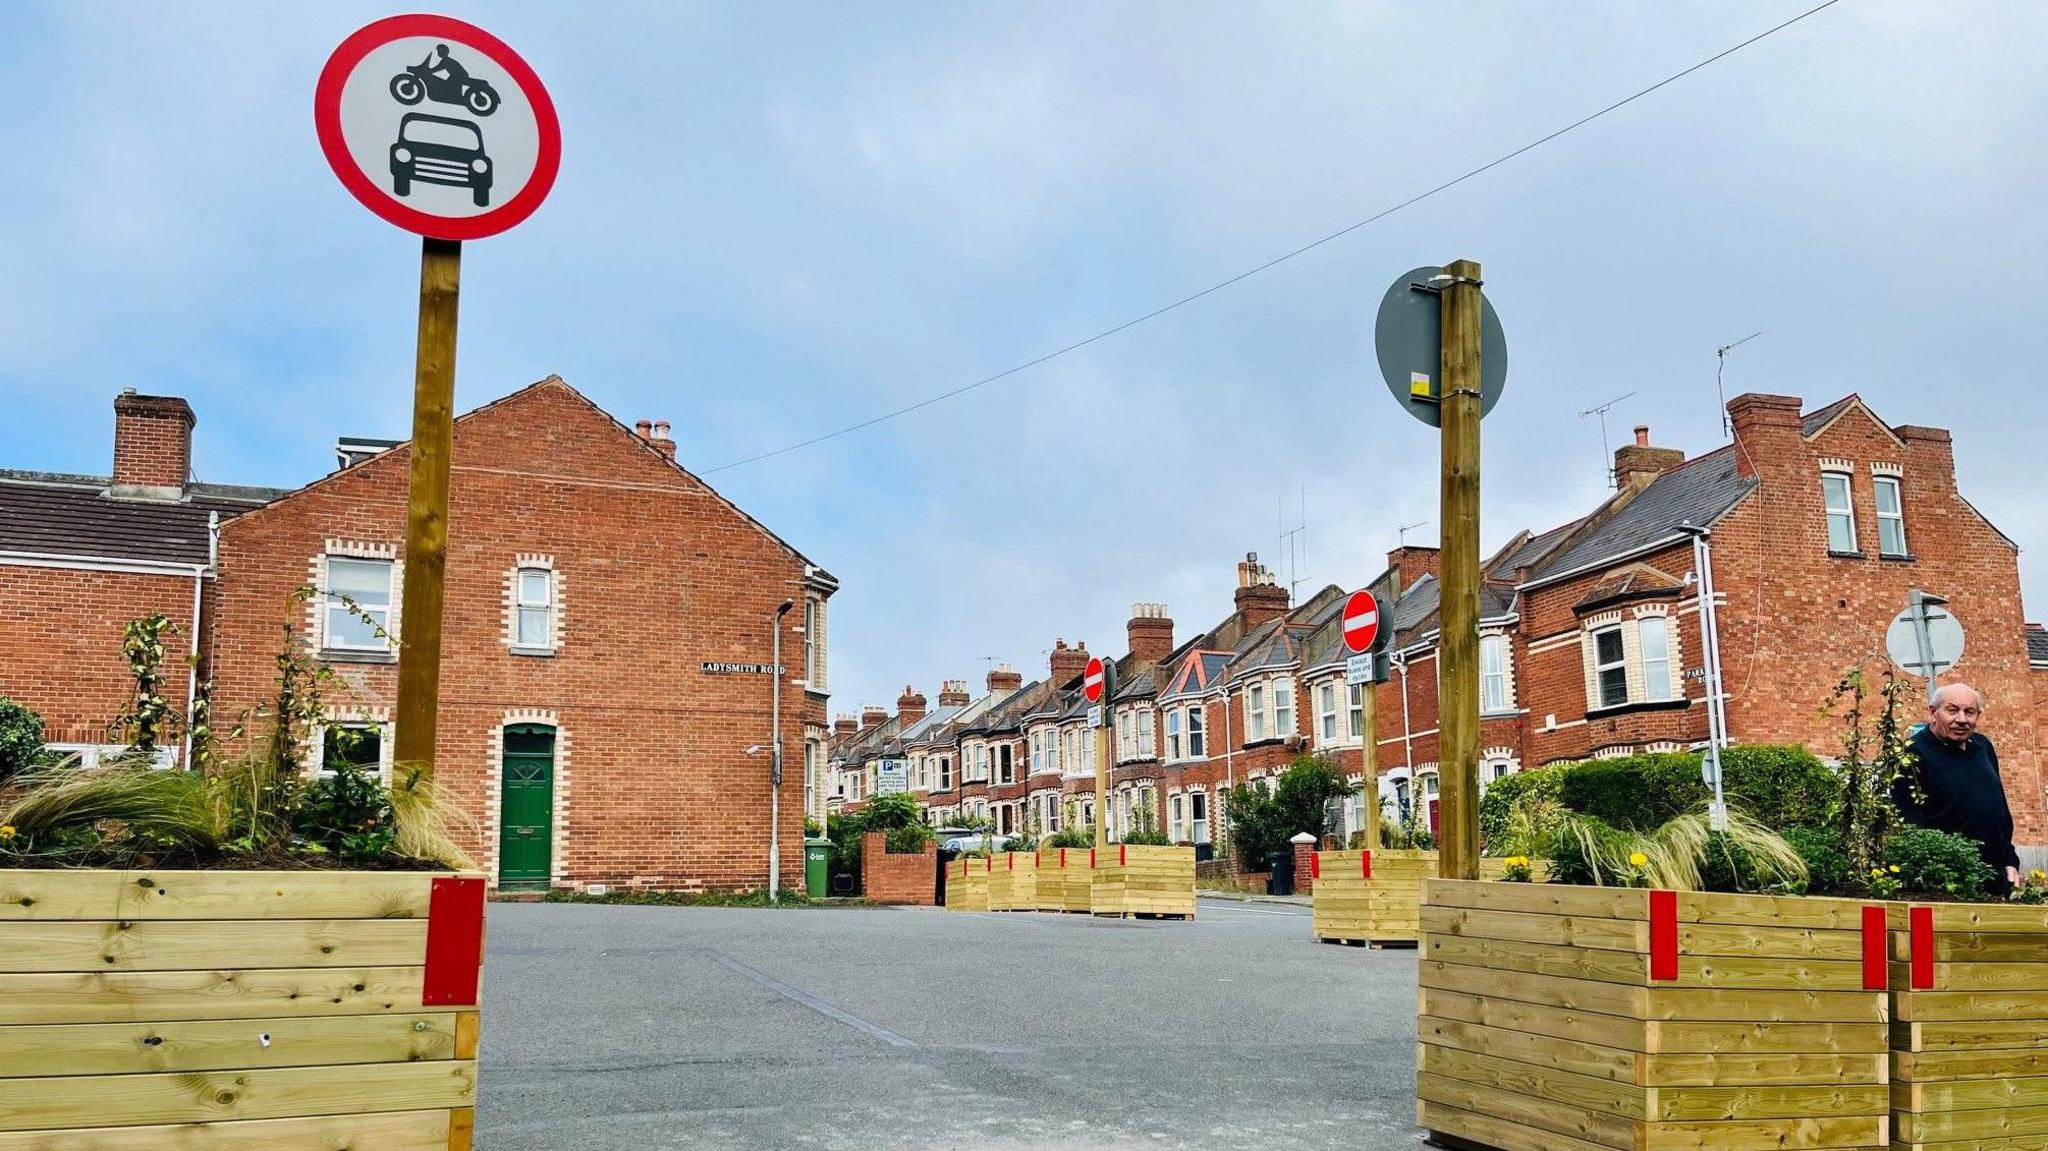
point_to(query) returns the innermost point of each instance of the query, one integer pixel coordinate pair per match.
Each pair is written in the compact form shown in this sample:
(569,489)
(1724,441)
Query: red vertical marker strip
(1012,857)
(1365,864)
(455,942)
(1664,935)
(1875,942)
(1091,859)
(1920,935)
(1123,854)
(1315,865)
(1063,859)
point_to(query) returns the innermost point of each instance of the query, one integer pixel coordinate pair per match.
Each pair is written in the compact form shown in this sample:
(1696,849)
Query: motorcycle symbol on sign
(440,79)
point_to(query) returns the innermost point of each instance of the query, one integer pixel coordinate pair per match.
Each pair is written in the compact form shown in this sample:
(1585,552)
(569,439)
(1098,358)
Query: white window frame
(1354,711)
(1256,721)
(1197,731)
(1006,762)
(522,607)
(1198,824)
(1052,751)
(1175,751)
(317,753)
(1657,683)
(1326,712)
(1176,816)
(1283,708)
(1123,736)
(1493,680)
(333,602)
(1620,663)
(1846,513)
(1895,519)
(1147,734)
(813,609)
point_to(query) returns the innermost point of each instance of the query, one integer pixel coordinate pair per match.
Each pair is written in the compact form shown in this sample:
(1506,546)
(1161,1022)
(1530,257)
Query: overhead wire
(1304,249)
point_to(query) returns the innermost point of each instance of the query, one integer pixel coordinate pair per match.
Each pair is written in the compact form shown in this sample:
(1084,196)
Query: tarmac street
(893,1029)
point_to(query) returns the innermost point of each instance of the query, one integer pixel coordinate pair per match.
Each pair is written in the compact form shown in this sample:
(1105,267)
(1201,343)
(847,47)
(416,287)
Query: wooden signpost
(442,129)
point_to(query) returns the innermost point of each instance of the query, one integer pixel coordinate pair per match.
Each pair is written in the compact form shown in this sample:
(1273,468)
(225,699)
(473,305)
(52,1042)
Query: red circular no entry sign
(437,126)
(1091,681)
(1361,621)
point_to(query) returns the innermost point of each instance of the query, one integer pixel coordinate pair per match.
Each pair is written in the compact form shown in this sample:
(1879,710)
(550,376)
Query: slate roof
(52,513)
(2037,647)
(1632,582)
(1208,669)
(1699,491)
(1818,418)
(933,720)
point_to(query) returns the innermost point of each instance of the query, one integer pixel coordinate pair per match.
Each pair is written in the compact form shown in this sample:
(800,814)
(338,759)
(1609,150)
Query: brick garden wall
(61,630)
(887,878)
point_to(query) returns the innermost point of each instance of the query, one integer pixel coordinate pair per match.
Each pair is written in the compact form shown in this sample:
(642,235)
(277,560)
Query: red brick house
(606,671)
(82,555)
(606,655)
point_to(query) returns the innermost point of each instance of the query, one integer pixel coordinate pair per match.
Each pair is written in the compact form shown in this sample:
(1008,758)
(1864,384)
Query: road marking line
(873,1030)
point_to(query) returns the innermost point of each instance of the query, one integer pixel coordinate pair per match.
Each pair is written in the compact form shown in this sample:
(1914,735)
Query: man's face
(1953,714)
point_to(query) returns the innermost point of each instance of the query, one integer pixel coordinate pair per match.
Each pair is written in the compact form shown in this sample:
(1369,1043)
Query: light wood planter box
(1062,879)
(1012,881)
(238,1010)
(1969,1027)
(1557,1018)
(967,884)
(1139,879)
(1375,897)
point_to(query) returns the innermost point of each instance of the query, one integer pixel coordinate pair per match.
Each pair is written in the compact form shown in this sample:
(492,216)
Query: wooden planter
(238,1010)
(966,887)
(1375,897)
(1559,1018)
(1137,879)
(1012,881)
(1969,1027)
(1049,880)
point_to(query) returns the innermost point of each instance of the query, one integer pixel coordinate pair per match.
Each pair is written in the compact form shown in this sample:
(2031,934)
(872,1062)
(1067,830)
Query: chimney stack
(909,706)
(1004,679)
(1068,662)
(953,693)
(1258,597)
(152,447)
(1636,465)
(844,726)
(1414,562)
(1150,631)
(655,434)
(1766,427)
(871,715)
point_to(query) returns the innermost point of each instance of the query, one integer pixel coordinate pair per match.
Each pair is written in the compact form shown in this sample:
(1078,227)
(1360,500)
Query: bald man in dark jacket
(1959,773)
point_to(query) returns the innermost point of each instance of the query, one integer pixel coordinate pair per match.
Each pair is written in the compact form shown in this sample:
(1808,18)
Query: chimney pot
(661,429)
(643,428)
(1643,435)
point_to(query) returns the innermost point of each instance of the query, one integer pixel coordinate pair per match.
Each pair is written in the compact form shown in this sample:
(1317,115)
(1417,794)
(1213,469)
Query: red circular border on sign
(327,122)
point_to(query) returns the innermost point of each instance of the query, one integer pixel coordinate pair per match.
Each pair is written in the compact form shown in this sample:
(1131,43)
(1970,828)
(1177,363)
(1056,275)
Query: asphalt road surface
(886,1029)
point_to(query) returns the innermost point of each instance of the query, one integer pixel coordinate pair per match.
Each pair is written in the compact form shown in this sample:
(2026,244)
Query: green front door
(526,838)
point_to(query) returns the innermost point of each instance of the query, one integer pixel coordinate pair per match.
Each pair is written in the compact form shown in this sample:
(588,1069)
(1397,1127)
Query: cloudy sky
(774,220)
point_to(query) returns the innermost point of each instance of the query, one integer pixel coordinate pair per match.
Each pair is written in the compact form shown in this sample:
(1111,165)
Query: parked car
(975,841)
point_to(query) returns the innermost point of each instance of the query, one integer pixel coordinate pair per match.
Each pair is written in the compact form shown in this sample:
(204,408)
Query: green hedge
(1783,786)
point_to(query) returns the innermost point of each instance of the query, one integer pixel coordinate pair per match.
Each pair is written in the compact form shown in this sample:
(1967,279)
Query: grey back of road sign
(1408,336)
(1944,641)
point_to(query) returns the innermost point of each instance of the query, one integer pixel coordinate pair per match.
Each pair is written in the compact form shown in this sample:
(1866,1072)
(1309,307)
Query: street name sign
(437,126)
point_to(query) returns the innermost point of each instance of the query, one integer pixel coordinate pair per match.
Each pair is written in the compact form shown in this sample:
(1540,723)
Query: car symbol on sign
(438,150)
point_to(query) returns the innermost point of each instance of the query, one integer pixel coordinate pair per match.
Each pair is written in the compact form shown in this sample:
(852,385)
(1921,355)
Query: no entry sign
(438,127)
(1091,681)
(1361,621)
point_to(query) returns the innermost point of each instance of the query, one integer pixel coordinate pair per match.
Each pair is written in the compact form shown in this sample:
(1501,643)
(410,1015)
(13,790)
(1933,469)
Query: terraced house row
(1814,526)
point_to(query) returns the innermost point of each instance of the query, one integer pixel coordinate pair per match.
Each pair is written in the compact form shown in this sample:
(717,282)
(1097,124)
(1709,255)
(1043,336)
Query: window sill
(1892,558)
(1256,743)
(1679,704)
(1510,713)
(541,652)
(1835,555)
(345,655)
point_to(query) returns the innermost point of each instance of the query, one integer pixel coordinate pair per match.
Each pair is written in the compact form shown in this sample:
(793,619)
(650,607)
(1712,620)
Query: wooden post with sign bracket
(426,513)
(1458,638)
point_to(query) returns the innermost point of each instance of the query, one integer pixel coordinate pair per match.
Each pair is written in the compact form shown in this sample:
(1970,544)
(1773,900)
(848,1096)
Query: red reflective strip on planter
(1091,859)
(1875,942)
(1123,854)
(1012,857)
(455,942)
(1920,940)
(1365,864)
(1664,935)
(1315,865)
(1063,859)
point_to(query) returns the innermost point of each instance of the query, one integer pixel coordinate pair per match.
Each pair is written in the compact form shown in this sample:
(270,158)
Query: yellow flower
(2038,875)
(6,832)
(1878,872)
(1638,859)
(1894,869)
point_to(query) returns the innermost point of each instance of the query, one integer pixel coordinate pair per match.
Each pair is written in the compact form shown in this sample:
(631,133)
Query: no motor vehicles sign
(438,127)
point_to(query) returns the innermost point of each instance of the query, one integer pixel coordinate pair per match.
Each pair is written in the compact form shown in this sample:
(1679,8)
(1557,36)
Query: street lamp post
(775,755)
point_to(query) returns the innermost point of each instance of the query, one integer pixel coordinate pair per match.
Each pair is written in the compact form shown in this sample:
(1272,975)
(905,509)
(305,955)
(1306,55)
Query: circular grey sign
(1408,336)
(1944,646)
